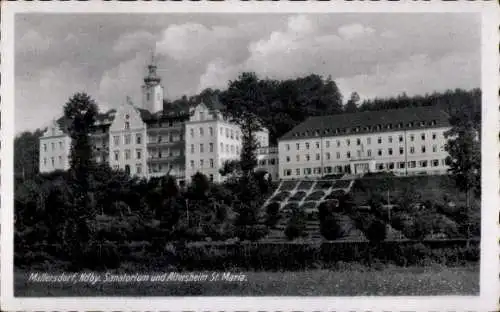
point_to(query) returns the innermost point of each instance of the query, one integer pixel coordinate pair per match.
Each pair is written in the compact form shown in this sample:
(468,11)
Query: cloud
(133,42)
(352,31)
(32,42)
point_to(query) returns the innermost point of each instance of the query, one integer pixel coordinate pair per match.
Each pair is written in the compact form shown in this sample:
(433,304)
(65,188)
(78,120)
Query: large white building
(211,140)
(154,139)
(404,141)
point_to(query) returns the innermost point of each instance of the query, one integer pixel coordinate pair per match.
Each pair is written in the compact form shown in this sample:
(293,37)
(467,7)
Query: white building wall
(127,141)
(342,150)
(55,148)
(152,98)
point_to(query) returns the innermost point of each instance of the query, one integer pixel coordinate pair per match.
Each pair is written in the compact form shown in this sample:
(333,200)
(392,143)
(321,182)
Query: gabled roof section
(369,122)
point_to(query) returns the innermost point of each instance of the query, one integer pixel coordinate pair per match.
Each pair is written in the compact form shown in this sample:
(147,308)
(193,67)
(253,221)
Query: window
(287,158)
(201,163)
(423,148)
(45,161)
(222,148)
(192,163)
(227,148)
(317,157)
(390,151)
(201,131)
(192,148)
(390,165)
(423,163)
(307,171)
(272,161)
(358,152)
(227,132)
(433,136)
(138,153)
(380,166)
(412,164)
(338,143)
(297,158)
(297,171)
(60,145)
(317,170)
(53,146)
(412,150)
(434,148)
(328,156)
(348,154)
(211,163)
(159,154)
(401,151)
(412,138)
(127,154)
(211,131)
(147,96)
(297,145)
(138,139)
(390,139)
(116,140)
(45,147)
(60,159)
(327,144)
(201,148)
(202,116)
(423,136)
(127,139)
(138,169)
(211,177)
(159,138)
(338,155)
(211,147)
(221,131)
(358,141)
(435,163)
(127,125)
(237,149)
(52,159)
(400,138)
(307,145)
(287,146)
(232,134)
(369,153)
(317,144)
(379,152)
(287,172)
(379,140)
(401,165)
(348,142)
(308,157)
(368,141)
(117,155)
(232,148)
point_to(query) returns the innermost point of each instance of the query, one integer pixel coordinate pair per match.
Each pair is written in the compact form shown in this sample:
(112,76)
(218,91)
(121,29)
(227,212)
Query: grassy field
(389,281)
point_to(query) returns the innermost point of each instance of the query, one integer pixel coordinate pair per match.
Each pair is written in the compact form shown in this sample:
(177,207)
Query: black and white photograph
(294,154)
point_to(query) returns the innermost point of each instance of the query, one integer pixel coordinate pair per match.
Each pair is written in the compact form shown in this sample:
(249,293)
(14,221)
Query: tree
(26,154)
(296,226)
(243,100)
(80,113)
(464,149)
(352,104)
(330,228)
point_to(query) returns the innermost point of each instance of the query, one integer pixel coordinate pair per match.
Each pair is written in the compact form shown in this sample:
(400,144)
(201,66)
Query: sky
(104,55)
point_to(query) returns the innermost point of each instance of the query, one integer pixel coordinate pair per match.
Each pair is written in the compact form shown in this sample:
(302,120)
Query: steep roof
(369,122)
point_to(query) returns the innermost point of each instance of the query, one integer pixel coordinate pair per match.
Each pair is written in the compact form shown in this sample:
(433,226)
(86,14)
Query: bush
(273,215)
(100,255)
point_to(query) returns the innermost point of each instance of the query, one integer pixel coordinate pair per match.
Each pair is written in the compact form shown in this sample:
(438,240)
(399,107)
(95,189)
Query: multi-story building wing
(55,145)
(404,141)
(100,136)
(165,141)
(127,141)
(267,160)
(212,139)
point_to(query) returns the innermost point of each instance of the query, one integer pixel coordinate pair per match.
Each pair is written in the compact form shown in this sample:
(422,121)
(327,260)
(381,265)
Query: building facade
(211,140)
(55,145)
(268,161)
(403,141)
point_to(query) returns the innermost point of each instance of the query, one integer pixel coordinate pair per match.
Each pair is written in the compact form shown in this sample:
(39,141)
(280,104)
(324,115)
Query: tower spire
(152,77)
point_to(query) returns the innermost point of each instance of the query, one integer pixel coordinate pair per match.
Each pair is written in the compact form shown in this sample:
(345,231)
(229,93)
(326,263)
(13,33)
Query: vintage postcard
(250,156)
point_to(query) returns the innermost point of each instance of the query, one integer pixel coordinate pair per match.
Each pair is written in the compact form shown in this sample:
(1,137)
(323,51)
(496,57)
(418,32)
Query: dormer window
(127,125)
(356,129)
(400,125)
(410,124)
(127,116)
(389,126)
(433,123)
(422,124)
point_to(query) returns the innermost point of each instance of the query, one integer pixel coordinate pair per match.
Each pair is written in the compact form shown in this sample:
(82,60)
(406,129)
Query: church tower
(152,91)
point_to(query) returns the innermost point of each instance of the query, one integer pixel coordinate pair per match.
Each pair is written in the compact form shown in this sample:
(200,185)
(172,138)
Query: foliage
(352,104)
(273,214)
(296,226)
(26,154)
(376,231)
(330,228)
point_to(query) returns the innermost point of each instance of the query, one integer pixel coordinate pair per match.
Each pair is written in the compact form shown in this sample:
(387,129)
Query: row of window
(53,145)
(380,152)
(230,133)
(127,138)
(128,153)
(233,149)
(53,162)
(379,166)
(358,141)
(211,163)
(270,161)
(138,168)
(170,154)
